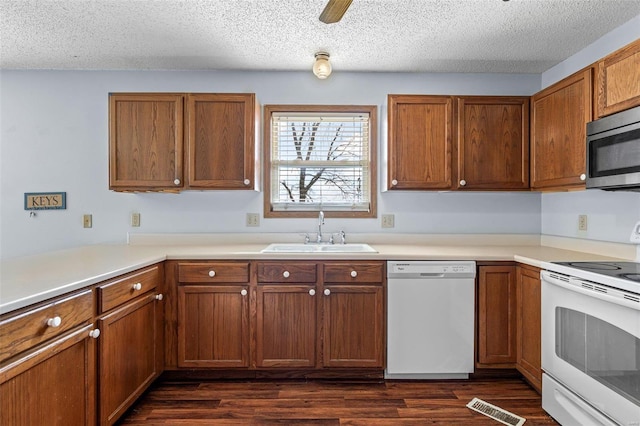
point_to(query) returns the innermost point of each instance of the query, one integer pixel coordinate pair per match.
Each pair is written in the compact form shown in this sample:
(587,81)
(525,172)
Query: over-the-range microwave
(613,151)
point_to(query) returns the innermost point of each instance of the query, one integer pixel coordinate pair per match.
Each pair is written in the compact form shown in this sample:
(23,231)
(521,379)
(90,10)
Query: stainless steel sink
(318,248)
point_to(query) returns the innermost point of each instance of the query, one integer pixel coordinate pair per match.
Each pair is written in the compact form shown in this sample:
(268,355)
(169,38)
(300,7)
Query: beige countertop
(32,279)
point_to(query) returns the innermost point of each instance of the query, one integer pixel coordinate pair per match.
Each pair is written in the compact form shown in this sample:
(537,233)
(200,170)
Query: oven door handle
(576,284)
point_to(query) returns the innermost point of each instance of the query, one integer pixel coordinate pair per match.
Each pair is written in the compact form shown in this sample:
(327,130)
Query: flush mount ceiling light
(322,66)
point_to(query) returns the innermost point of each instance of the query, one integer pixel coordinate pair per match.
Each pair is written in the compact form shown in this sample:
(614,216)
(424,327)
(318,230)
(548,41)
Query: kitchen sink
(318,248)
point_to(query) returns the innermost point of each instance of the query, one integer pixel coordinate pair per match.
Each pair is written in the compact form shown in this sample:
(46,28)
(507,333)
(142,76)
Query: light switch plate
(635,234)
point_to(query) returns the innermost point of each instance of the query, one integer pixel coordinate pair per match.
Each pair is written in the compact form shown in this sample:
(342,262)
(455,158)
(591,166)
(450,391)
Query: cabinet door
(213,326)
(54,385)
(129,349)
(221,140)
(559,117)
(286,326)
(353,326)
(419,142)
(145,141)
(619,80)
(493,143)
(529,353)
(497,315)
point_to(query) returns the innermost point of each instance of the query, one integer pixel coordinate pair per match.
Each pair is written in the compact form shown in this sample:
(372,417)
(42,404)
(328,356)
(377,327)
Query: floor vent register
(495,413)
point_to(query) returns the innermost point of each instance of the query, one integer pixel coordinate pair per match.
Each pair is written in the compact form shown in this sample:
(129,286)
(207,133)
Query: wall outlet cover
(635,234)
(388,221)
(253,219)
(87,221)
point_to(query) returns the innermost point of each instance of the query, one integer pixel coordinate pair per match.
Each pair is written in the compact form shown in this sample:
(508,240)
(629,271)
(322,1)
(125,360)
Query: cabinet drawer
(353,272)
(121,290)
(284,272)
(213,272)
(32,327)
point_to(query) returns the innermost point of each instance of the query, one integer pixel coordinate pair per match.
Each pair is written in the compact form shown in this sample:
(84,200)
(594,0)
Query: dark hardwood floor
(332,403)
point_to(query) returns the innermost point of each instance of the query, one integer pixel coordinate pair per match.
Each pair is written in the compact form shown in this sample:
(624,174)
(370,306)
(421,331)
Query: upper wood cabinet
(221,140)
(618,80)
(145,141)
(559,117)
(419,142)
(154,136)
(493,142)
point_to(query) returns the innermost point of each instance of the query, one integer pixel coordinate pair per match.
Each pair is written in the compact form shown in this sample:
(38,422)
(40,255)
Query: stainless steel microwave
(613,152)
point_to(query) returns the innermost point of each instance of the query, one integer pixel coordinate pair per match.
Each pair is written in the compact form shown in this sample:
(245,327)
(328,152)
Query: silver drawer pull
(212,273)
(137,287)
(286,274)
(94,333)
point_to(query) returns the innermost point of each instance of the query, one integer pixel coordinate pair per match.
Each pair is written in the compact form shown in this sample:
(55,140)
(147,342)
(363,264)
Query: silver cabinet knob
(54,322)
(247,181)
(312,292)
(137,287)
(159,296)
(176,181)
(286,274)
(327,292)
(94,333)
(243,292)
(354,274)
(463,182)
(394,182)
(212,273)
(583,177)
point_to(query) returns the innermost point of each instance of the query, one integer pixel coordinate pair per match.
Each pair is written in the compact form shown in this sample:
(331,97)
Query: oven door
(591,344)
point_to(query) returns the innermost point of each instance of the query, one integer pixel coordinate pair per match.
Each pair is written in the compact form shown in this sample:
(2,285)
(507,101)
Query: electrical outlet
(253,219)
(635,234)
(135,220)
(582,222)
(388,221)
(87,221)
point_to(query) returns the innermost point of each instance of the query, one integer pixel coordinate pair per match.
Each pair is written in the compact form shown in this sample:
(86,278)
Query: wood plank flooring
(332,403)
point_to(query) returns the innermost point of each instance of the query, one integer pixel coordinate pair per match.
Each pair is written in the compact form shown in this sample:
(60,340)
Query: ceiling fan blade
(334,11)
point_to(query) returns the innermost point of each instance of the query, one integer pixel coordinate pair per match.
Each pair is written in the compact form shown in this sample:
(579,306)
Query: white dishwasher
(430,319)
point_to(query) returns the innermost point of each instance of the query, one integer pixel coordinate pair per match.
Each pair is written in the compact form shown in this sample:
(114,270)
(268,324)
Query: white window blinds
(320,161)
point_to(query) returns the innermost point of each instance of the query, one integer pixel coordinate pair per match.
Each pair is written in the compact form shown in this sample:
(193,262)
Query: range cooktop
(623,270)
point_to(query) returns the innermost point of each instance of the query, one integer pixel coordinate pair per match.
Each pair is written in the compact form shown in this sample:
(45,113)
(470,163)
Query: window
(320,157)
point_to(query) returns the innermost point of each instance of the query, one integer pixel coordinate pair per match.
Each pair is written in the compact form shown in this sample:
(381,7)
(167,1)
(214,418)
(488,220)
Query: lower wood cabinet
(278,315)
(131,341)
(286,326)
(529,325)
(497,332)
(53,385)
(213,326)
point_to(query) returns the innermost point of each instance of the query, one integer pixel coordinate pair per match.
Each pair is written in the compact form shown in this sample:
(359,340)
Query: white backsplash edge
(604,248)
(381,238)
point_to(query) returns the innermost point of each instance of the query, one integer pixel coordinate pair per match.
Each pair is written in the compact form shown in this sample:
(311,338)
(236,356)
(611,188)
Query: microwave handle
(576,285)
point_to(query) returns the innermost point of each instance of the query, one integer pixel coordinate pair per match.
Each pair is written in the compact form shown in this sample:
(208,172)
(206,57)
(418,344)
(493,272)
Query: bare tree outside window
(320,159)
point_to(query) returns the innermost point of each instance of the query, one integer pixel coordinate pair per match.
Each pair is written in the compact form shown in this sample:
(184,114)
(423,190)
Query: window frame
(372,110)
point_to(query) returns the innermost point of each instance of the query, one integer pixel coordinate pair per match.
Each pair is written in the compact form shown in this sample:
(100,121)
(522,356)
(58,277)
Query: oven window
(603,351)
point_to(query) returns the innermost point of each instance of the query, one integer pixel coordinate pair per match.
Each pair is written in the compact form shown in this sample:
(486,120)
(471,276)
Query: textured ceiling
(520,36)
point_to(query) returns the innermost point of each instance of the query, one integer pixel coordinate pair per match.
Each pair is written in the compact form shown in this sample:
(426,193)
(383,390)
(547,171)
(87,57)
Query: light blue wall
(611,216)
(54,130)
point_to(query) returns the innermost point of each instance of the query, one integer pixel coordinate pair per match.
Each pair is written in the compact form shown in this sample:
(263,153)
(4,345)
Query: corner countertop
(32,279)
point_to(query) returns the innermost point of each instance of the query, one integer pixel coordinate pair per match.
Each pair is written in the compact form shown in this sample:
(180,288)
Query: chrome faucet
(320,223)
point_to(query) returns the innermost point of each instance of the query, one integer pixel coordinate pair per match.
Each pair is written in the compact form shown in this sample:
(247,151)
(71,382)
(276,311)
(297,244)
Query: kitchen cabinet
(154,136)
(618,80)
(493,143)
(497,327)
(286,331)
(419,142)
(529,325)
(221,141)
(559,117)
(146,141)
(353,320)
(213,310)
(131,341)
(47,372)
